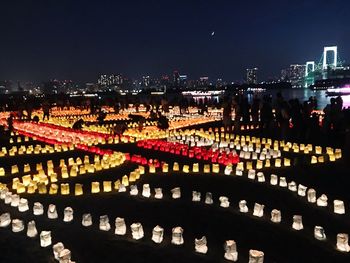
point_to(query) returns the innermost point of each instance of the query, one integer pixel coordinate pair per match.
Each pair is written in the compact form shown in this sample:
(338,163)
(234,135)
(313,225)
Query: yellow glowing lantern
(50,171)
(95,187)
(86,159)
(71,161)
(42,188)
(11,140)
(31,189)
(332,157)
(21,188)
(107,186)
(206,168)
(259,164)
(62,163)
(329,150)
(64,172)
(338,153)
(14,169)
(65,189)
(79,161)
(73,171)
(15,181)
(26,179)
(26,168)
(53,178)
(152,168)
(216,168)
(19,139)
(176,167)
(39,166)
(195,168)
(277,162)
(96,159)
(132,177)
(91,168)
(54,189)
(313,159)
(186,168)
(320,159)
(318,149)
(165,168)
(286,162)
(117,184)
(78,189)
(125,180)
(249,165)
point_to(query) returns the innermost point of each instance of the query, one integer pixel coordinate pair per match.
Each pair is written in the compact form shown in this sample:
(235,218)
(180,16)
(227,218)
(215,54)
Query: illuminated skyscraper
(252,76)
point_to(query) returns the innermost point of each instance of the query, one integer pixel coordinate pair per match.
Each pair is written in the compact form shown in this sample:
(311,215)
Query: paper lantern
(165,168)
(206,168)
(177,236)
(122,188)
(146,190)
(302,190)
(338,153)
(276,216)
(23,205)
(319,233)
(2,171)
(107,186)
(261,177)
(8,198)
(322,200)
(267,163)
(256,256)
(137,231)
(15,182)
(228,170)
(286,162)
(141,169)
(176,167)
(5,220)
(152,168)
(297,222)
(249,165)
(57,248)
(104,223)
(120,226)
(343,242)
(45,238)
(64,256)
(196,196)
(224,202)
(318,150)
(17,225)
(20,188)
(258,210)
(31,229)
(283,182)
(65,189)
(176,192)
(216,168)
(158,193)
(273,179)
(311,195)
(208,198)
(339,207)
(200,245)
(231,253)
(78,189)
(251,174)
(277,162)
(259,164)
(26,168)
(313,159)
(95,187)
(52,212)
(243,208)
(38,209)
(116,185)
(15,200)
(292,186)
(195,168)
(86,220)
(133,190)
(14,169)
(186,168)
(68,214)
(157,234)
(125,180)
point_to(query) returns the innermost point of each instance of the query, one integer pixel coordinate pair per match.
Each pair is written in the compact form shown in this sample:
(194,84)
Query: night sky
(72,39)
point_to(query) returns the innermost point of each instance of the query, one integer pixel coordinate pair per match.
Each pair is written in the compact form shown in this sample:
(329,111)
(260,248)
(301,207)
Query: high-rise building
(110,80)
(146,81)
(176,78)
(294,74)
(252,76)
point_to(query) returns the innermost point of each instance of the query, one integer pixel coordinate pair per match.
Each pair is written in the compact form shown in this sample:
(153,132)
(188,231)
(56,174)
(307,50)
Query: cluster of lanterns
(31,149)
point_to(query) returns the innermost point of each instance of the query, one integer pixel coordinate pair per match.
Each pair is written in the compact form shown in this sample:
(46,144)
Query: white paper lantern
(208,198)
(38,209)
(45,238)
(224,201)
(196,196)
(200,245)
(15,200)
(256,256)
(258,210)
(251,174)
(23,205)
(8,198)
(68,214)
(157,234)
(3,193)
(120,226)
(276,216)
(64,256)
(104,223)
(31,229)
(292,186)
(52,212)
(146,191)
(86,220)
(122,188)
(5,220)
(158,193)
(177,236)
(231,253)
(136,231)
(339,207)
(57,248)
(302,190)
(133,190)
(297,222)
(319,233)
(273,179)
(17,225)
(261,177)
(176,192)
(322,200)
(311,195)
(343,242)
(243,208)
(283,182)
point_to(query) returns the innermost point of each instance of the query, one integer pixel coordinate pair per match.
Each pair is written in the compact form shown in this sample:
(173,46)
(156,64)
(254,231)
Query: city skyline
(81,40)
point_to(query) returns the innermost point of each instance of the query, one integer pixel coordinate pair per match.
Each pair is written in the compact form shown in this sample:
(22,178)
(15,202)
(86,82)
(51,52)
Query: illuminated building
(252,77)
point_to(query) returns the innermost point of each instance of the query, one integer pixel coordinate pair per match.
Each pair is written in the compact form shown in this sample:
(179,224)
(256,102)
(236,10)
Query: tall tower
(252,76)
(333,63)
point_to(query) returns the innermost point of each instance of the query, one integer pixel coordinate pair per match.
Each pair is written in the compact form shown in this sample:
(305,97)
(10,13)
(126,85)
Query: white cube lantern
(297,222)
(258,210)
(146,191)
(231,253)
(104,223)
(17,225)
(196,196)
(137,231)
(208,198)
(283,182)
(157,234)
(23,205)
(31,229)
(45,238)
(52,212)
(176,193)
(68,214)
(133,190)
(302,190)
(57,248)
(274,179)
(322,200)
(86,220)
(200,245)
(261,177)
(319,233)
(311,195)
(343,242)
(256,256)
(158,193)
(120,226)
(224,202)
(243,208)
(177,236)
(276,216)
(5,220)
(339,207)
